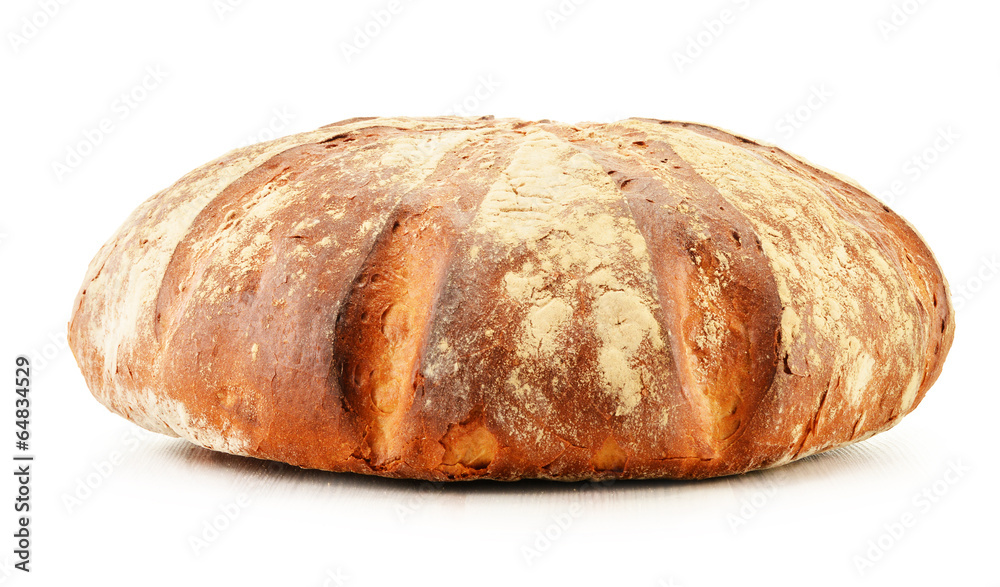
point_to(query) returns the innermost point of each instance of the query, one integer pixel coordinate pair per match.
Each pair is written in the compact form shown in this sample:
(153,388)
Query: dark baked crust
(456,298)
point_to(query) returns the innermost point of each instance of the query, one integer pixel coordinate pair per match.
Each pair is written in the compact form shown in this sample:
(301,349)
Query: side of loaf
(456,298)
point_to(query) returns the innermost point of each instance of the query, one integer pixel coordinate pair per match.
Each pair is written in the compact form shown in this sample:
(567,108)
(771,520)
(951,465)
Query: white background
(887,78)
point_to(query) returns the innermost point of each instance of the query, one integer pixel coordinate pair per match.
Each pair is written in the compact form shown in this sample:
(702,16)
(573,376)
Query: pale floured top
(560,203)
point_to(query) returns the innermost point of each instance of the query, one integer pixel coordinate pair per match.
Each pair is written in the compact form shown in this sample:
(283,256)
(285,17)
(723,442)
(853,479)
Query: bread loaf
(458,298)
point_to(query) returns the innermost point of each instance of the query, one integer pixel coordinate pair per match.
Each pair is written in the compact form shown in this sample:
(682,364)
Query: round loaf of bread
(459,298)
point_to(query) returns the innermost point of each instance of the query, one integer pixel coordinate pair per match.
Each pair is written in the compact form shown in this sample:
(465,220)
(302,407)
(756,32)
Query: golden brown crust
(456,298)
